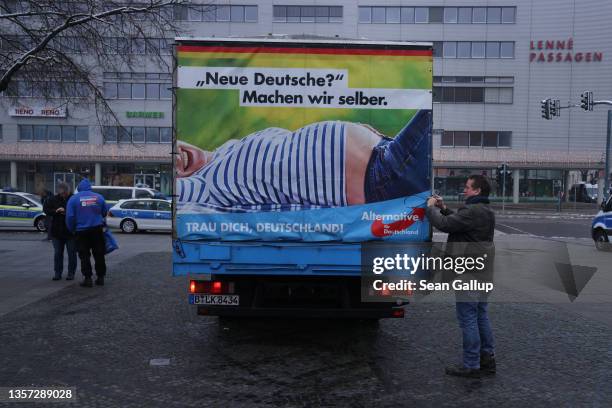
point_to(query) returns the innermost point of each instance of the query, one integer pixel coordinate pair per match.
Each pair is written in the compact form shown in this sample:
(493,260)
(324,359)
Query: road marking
(516,229)
(159,361)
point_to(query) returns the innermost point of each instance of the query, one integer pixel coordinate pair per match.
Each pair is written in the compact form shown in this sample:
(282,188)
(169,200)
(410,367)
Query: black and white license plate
(215,300)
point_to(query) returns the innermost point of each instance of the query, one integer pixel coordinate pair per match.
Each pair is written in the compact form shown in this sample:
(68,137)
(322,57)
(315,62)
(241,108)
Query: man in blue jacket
(85,214)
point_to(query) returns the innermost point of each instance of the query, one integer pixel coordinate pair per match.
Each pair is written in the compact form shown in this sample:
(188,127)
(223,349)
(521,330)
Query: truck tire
(39,224)
(602,243)
(128,226)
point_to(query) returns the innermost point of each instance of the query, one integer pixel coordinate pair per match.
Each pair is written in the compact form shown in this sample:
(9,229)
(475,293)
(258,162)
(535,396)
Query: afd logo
(381,229)
(88,201)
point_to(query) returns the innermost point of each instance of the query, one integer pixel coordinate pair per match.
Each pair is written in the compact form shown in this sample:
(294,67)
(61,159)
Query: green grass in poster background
(208,118)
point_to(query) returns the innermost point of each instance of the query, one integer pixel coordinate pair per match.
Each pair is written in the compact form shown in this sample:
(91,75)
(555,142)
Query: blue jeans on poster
(477,334)
(58,257)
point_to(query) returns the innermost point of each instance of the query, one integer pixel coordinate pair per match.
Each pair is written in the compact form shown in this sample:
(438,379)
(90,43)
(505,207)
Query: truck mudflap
(313,297)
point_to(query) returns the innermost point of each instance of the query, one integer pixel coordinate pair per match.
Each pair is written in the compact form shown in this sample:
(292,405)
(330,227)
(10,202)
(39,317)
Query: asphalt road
(106,341)
(551,225)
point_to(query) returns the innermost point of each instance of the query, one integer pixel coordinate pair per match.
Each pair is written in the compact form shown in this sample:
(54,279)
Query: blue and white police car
(141,214)
(601,228)
(19,209)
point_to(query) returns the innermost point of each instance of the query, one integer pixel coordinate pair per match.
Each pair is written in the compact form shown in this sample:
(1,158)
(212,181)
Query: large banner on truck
(302,141)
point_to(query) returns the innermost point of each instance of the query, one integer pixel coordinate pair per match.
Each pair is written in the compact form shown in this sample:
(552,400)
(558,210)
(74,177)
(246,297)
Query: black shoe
(100,281)
(70,277)
(487,363)
(461,371)
(57,277)
(87,283)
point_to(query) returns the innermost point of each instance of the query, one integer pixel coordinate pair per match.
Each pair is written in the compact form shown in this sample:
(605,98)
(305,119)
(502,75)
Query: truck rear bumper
(309,313)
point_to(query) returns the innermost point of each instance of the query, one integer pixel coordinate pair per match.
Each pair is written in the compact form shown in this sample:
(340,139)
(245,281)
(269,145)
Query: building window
(449,49)
(488,89)
(53,133)
(507,49)
(475,139)
(464,15)
(479,49)
(137,134)
(310,14)
(51,89)
(424,15)
(212,13)
(479,15)
(450,15)
(451,94)
(464,49)
(145,90)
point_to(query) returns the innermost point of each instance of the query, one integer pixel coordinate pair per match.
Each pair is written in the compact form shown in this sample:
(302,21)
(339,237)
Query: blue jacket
(85,209)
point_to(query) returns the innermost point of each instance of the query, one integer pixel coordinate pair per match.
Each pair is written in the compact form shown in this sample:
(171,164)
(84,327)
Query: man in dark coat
(55,208)
(470,233)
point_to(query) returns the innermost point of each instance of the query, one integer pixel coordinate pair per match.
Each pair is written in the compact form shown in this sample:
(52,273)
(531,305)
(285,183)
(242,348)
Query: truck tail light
(398,312)
(213,287)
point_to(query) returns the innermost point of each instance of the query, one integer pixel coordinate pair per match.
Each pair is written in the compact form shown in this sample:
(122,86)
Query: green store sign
(146,115)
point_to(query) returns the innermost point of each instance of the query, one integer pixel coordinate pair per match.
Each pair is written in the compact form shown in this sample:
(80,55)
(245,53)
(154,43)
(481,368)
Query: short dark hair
(63,187)
(482,183)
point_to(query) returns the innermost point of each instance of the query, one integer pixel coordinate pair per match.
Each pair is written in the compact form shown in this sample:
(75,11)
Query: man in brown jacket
(470,233)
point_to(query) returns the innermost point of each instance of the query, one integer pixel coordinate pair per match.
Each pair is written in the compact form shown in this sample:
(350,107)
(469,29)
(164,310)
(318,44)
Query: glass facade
(34,177)
(534,185)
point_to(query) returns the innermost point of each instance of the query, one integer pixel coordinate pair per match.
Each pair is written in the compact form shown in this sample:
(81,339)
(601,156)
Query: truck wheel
(602,242)
(128,226)
(39,224)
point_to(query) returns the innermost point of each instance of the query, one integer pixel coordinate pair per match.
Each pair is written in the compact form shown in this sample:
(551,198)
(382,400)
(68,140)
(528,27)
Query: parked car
(583,193)
(141,214)
(19,209)
(601,228)
(112,194)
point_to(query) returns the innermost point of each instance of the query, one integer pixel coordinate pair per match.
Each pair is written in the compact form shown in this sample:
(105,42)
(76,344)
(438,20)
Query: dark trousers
(58,256)
(91,242)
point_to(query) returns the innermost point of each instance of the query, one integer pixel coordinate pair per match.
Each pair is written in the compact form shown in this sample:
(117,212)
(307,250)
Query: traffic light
(586,100)
(545,104)
(555,108)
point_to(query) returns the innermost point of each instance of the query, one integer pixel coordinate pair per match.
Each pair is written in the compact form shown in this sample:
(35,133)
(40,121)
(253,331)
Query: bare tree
(62,48)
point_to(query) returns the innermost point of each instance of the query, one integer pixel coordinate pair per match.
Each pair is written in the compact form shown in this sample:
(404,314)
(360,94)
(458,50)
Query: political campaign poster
(302,141)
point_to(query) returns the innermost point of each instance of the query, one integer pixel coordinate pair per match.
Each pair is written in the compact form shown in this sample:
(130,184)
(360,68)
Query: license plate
(214,300)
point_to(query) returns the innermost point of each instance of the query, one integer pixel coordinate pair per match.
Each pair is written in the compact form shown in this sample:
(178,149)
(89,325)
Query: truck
(290,158)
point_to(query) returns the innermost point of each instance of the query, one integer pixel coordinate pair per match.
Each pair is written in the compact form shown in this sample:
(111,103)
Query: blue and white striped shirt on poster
(271,170)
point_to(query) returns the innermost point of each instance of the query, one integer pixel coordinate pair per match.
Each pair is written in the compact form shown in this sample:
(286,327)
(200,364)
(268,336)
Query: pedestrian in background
(46,195)
(55,209)
(470,232)
(85,217)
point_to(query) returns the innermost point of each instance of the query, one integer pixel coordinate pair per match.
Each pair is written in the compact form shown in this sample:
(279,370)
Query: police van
(21,210)
(112,194)
(602,226)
